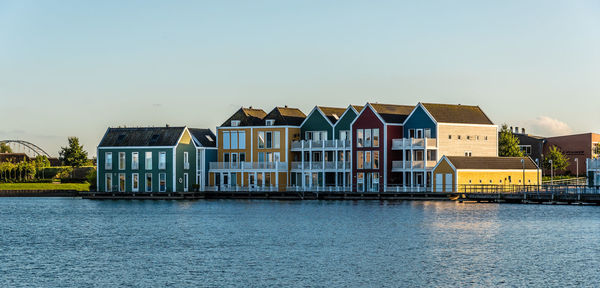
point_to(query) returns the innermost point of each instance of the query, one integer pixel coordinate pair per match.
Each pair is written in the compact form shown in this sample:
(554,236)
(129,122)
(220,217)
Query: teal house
(154,159)
(321,159)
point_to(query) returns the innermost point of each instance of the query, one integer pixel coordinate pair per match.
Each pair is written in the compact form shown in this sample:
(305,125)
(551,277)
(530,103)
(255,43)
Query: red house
(372,134)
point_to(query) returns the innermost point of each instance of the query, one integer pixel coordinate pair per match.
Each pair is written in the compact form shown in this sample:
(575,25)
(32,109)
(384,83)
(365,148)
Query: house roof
(392,113)
(491,163)
(285,116)
(358,108)
(13,157)
(332,113)
(141,136)
(247,117)
(464,114)
(204,137)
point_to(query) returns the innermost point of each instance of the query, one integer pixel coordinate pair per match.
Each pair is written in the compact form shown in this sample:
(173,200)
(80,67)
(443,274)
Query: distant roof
(358,108)
(247,117)
(141,136)
(450,113)
(392,113)
(204,137)
(285,116)
(495,163)
(13,157)
(332,113)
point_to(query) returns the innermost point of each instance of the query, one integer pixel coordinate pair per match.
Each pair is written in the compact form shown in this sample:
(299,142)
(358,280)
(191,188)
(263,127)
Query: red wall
(368,120)
(393,132)
(573,146)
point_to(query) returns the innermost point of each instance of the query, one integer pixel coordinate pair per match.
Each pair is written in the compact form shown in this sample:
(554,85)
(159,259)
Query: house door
(251,180)
(185,182)
(419,179)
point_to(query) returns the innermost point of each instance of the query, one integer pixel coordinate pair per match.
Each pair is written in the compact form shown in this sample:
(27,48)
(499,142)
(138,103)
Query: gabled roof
(391,113)
(141,136)
(247,117)
(204,137)
(332,113)
(463,114)
(285,116)
(358,108)
(491,163)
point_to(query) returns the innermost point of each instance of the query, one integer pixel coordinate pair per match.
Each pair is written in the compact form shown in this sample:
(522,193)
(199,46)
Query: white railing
(400,164)
(405,143)
(321,144)
(229,188)
(402,188)
(332,165)
(281,166)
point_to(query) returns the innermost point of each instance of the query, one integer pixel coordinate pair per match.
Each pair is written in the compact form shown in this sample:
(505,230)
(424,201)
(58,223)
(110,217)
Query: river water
(69,242)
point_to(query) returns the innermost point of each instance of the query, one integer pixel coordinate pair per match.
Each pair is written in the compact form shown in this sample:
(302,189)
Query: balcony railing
(320,144)
(329,165)
(402,165)
(281,166)
(406,143)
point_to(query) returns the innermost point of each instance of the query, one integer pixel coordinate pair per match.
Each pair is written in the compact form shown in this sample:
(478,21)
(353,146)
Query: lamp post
(577,169)
(551,172)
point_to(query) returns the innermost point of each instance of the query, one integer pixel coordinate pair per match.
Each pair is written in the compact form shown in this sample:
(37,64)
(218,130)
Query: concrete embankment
(39,193)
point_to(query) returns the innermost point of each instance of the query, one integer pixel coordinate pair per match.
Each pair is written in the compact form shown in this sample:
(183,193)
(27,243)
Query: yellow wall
(247,150)
(443,168)
(497,177)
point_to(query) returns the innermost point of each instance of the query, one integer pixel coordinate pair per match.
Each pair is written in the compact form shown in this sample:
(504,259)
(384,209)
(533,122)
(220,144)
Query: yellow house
(462,173)
(254,149)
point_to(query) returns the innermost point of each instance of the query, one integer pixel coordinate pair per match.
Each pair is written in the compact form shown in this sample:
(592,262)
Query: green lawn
(45,186)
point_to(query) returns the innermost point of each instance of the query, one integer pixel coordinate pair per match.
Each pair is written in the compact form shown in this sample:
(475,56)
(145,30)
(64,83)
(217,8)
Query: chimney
(285,106)
(167,125)
(511,129)
(516,130)
(522,130)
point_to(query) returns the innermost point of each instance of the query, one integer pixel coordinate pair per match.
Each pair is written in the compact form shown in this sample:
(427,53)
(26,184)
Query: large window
(242,139)
(135,160)
(162,160)
(148,182)
(375,182)
(261,139)
(367,137)
(360,182)
(376,137)
(108,182)
(121,160)
(344,135)
(148,160)
(234,140)
(186,160)
(428,133)
(108,160)
(122,182)
(360,138)
(226,140)
(162,182)
(375,159)
(135,182)
(276,139)
(367,159)
(269,140)
(360,159)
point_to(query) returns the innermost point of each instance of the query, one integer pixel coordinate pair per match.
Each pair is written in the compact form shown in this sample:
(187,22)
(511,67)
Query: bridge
(22,146)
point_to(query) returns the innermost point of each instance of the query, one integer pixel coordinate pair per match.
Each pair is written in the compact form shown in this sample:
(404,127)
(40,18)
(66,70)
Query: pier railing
(554,189)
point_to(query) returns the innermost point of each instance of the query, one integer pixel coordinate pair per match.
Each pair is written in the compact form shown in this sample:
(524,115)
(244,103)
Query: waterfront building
(254,149)
(578,146)
(593,171)
(321,158)
(530,145)
(461,173)
(153,159)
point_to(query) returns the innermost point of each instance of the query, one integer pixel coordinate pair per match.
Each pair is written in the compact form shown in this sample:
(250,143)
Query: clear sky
(73,68)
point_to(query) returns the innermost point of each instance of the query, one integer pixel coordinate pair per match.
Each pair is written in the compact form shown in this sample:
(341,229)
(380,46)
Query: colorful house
(152,159)
(465,173)
(321,158)
(254,149)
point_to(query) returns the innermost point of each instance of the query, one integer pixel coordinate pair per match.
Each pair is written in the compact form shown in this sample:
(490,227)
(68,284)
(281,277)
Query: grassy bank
(45,186)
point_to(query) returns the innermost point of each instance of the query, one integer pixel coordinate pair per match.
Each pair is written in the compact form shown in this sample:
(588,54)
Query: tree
(4,148)
(508,143)
(559,160)
(41,161)
(73,155)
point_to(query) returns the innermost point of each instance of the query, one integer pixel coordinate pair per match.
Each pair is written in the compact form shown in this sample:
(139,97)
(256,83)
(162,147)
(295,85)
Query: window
(458,136)
(234,140)
(477,137)
(485,138)
(595,148)
(276,140)
(261,139)
(449,137)
(360,158)
(375,137)
(468,153)
(267,179)
(367,137)
(261,157)
(108,161)
(375,184)
(148,160)
(360,182)
(276,156)
(185,182)
(162,182)
(186,160)
(135,182)
(235,123)
(122,182)
(344,135)
(226,140)
(226,158)
(234,157)
(428,133)
(359,138)
(375,159)
(162,160)
(270,122)
(368,160)
(242,139)
(269,139)
(269,157)
(411,133)
(242,157)
(108,182)
(432,155)
(526,149)
(121,160)
(148,182)
(419,133)
(135,160)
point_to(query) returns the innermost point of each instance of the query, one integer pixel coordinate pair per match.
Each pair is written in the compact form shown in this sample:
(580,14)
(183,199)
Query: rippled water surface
(48,242)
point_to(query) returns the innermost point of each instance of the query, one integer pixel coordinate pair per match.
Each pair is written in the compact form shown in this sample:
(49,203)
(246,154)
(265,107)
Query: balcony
(593,164)
(328,165)
(398,166)
(320,145)
(279,166)
(415,143)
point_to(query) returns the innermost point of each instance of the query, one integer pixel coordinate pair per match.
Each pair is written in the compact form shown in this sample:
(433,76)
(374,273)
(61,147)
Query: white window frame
(108,178)
(122,189)
(148,160)
(122,160)
(160,187)
(261,139)
(186,160)
(135,182)
(226,140)
(185,182)
(242,139)
(135,160)
(234,140)
(375,135)
(235,123)
(107,163)
(276,139)
(162,160)
(360,138)
(269,122)
(148,188)
(368,138)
